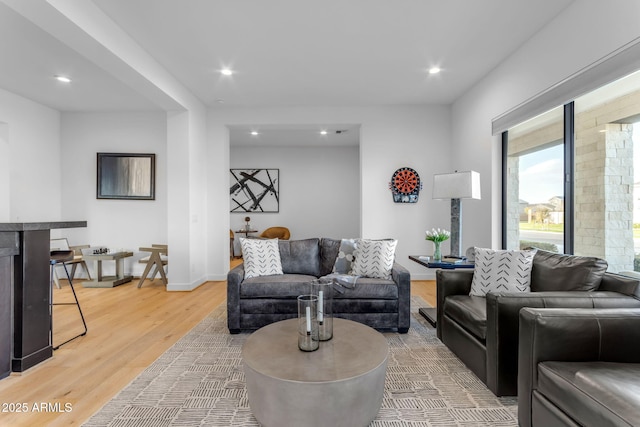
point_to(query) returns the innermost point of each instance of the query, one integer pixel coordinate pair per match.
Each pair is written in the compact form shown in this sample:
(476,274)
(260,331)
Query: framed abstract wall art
(255,190)
(126,176)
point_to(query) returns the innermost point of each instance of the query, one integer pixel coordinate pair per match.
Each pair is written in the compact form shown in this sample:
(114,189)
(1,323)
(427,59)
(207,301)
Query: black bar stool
(60,257)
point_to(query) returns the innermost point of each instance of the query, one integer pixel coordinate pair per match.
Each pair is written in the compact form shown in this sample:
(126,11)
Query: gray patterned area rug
(200,382)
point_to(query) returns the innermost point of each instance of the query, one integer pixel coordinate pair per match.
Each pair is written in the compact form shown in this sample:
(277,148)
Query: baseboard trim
(185,287)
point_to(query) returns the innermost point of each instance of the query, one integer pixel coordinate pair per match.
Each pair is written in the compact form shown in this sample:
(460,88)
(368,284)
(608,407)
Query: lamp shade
(457,185)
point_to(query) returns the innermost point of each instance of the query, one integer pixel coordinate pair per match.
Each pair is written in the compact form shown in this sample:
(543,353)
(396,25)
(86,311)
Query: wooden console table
(25,293)
(108,281)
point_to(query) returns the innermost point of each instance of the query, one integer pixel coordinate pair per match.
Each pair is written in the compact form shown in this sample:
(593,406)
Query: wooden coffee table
(340,384)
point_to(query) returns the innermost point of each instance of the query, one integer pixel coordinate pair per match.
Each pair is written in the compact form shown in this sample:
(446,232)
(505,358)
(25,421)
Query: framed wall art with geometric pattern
(255,190)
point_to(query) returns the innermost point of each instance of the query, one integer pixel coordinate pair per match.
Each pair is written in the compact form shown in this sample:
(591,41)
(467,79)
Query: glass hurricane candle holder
(308,323)
(323,290)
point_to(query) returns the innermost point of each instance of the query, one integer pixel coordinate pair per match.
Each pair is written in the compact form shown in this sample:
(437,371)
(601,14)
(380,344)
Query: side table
(246,232)
(108,281)
(431,313)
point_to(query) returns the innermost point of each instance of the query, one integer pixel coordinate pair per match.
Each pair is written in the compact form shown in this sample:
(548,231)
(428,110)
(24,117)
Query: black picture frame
(127,176)
(255,190)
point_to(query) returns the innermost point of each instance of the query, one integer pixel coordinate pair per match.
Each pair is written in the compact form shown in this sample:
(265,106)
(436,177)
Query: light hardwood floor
(128,329)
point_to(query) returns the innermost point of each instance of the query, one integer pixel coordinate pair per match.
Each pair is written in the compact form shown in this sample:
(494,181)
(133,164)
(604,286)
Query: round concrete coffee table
(340,384)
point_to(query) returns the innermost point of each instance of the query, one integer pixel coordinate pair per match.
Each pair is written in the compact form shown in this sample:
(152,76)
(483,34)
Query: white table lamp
(456,186)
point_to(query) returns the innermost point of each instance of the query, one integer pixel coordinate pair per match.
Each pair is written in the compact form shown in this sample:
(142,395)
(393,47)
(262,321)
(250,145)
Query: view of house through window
(606,179)
(535,191)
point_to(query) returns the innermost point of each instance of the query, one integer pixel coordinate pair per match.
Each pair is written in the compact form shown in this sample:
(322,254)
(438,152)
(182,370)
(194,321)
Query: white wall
(5,173)
(582,34)
(125,224)
(31,149)
(391,137)
(319,189)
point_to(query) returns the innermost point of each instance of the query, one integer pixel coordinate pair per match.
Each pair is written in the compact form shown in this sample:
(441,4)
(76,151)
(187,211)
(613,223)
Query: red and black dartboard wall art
(405,185)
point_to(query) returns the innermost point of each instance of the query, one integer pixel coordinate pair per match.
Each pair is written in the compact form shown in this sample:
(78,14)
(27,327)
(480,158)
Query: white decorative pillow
(345,256)
(261,257)
(374,258)
(501,270)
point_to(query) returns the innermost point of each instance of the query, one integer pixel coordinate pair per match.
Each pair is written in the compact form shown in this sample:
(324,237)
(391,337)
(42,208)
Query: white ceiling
(295,135)
(284,52)
(30,57)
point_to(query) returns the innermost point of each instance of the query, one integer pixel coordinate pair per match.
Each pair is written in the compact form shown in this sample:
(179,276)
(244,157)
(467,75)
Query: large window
(604,172)
(535,191)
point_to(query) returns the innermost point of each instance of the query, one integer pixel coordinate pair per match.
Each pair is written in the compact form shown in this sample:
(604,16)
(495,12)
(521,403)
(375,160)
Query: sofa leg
(234,331)
(403,330)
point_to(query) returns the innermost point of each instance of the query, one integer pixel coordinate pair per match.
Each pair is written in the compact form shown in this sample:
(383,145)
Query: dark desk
(431,313)
(24,286)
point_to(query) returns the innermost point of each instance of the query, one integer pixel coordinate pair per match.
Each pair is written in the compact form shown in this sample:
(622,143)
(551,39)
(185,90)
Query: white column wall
(198,199)
(178,200)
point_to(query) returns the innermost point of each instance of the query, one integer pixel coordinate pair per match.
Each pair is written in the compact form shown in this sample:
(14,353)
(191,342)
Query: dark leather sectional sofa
(483,331)
(258,301)
(579,367)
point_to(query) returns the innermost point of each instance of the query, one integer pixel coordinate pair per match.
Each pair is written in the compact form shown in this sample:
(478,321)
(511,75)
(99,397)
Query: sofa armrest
(450,282)
(234,277)
(402,278)
(503,309)
(560,334)
(622,284)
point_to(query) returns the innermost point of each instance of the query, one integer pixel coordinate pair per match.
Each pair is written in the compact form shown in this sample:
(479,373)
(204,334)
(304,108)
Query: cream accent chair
(157,260)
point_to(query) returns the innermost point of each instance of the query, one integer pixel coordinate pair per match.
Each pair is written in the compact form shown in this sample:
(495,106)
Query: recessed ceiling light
(63,79)
(323,132)
(226,71)
(434,70)
(254,133)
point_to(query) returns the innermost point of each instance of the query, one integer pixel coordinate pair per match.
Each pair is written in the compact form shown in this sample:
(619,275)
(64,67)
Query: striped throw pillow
(501,270)
(374,258)
(261,257)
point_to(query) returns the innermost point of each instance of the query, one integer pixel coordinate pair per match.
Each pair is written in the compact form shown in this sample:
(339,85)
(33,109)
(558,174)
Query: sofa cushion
(559,272)
(374,258)
(300,256)
(368,288)
(345,256)
(261,257)
(470,312)
(593,393)
(328,253)
(282,286)
(501,270)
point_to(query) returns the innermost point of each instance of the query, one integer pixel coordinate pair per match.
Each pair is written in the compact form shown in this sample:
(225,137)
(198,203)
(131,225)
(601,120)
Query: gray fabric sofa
(579,367)
(259,301)
(483,331)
